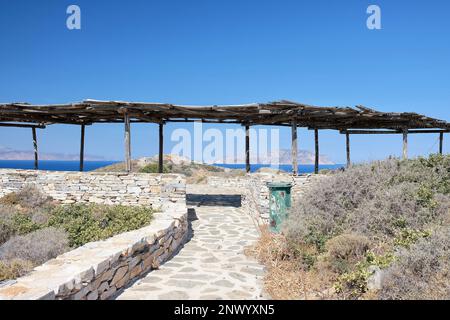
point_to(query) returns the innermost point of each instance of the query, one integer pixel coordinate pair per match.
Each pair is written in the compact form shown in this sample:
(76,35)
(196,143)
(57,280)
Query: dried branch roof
(273,113)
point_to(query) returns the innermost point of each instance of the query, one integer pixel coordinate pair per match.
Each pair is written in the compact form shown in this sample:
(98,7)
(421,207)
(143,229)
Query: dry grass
(287,278)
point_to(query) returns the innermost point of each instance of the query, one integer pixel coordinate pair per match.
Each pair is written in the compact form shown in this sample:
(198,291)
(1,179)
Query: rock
(93,295)
(120,273)
(374,281)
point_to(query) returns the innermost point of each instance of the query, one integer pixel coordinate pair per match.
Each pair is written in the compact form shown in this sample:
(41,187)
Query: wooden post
(82,148)
(294,148)
(347,142)
(127,142)
(405,144)
(35,146)
(441,142)
(247,148)
(161,148)
(316,142)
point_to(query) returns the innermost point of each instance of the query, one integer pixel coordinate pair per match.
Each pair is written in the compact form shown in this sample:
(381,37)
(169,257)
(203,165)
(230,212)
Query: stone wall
(98,270)
(255,192)
(153,190)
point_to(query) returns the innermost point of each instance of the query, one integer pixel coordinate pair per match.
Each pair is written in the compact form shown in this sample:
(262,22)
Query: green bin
(279,204)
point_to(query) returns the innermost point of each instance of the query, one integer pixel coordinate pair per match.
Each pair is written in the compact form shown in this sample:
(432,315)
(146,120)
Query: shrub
(371,199)
(14,269)
(422,272)
(343,252)
(28,197)
(36,247)
(154,168)
(86,223)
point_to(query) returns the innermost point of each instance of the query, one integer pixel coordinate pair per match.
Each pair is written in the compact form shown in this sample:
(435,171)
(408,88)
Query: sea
(55,165)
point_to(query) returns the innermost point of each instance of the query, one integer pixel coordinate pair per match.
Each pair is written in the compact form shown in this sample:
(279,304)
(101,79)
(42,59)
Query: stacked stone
(103,188)
(253,187)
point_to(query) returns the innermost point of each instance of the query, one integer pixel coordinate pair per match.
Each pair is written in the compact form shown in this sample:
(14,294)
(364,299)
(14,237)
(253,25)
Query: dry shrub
(36,247)
(343,253)
(373,199)
(422,272)
(287,277)
(28,197)
(14,269)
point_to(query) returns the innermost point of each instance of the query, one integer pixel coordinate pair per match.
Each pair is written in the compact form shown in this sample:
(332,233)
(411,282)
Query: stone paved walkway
(212,264)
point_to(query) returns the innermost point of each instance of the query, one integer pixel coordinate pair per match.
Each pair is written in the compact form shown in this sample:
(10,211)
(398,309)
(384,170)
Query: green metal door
(279,203)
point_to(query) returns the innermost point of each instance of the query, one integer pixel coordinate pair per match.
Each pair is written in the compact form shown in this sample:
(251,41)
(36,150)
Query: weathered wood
(347,144)
(35,147)
(273,113)
(441,142)
(127,142)
(316,143)
(390,131)
(247,148)
(161,149)
(294,148)
(405,144)
(21,125)
(82,148)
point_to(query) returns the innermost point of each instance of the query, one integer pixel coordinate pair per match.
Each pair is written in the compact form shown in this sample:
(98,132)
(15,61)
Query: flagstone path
(212,263)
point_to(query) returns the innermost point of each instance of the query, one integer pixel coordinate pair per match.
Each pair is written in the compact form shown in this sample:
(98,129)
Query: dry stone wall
(153,190)
(98,270)
(255,191)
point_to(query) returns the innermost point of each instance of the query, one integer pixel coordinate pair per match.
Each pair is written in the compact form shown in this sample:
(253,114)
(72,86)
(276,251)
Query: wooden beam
(391,131)
(316,142)
(247,148)
(405,144)
(21,125)
(347,143)
(127,142)
(294,148)
(441,142)
(161,149)
(35,146)
(82,148)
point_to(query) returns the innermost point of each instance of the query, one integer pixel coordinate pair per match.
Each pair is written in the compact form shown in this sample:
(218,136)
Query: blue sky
(226,52)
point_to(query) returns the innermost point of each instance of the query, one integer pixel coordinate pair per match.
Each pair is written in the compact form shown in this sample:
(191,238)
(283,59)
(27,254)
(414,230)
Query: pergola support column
(347,144)
(161,149)
(441,142)
(247,148)
(294,148)
(35,147)
(82,148)
(316,143)
(405,144)
(127,142)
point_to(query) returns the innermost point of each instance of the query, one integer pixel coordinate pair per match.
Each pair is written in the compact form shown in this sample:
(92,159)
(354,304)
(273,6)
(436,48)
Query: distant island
(284,156)
(11,154)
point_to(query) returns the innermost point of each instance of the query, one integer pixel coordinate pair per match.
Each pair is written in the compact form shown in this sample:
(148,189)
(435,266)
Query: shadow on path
(214,200)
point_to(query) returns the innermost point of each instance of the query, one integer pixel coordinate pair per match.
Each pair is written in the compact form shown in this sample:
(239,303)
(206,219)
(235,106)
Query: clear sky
(226,52)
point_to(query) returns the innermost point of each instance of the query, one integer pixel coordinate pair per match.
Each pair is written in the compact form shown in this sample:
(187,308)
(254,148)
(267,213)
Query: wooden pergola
(346,120)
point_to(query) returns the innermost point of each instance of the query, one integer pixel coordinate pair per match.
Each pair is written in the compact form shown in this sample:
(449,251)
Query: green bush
(87,223)
(154,168)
